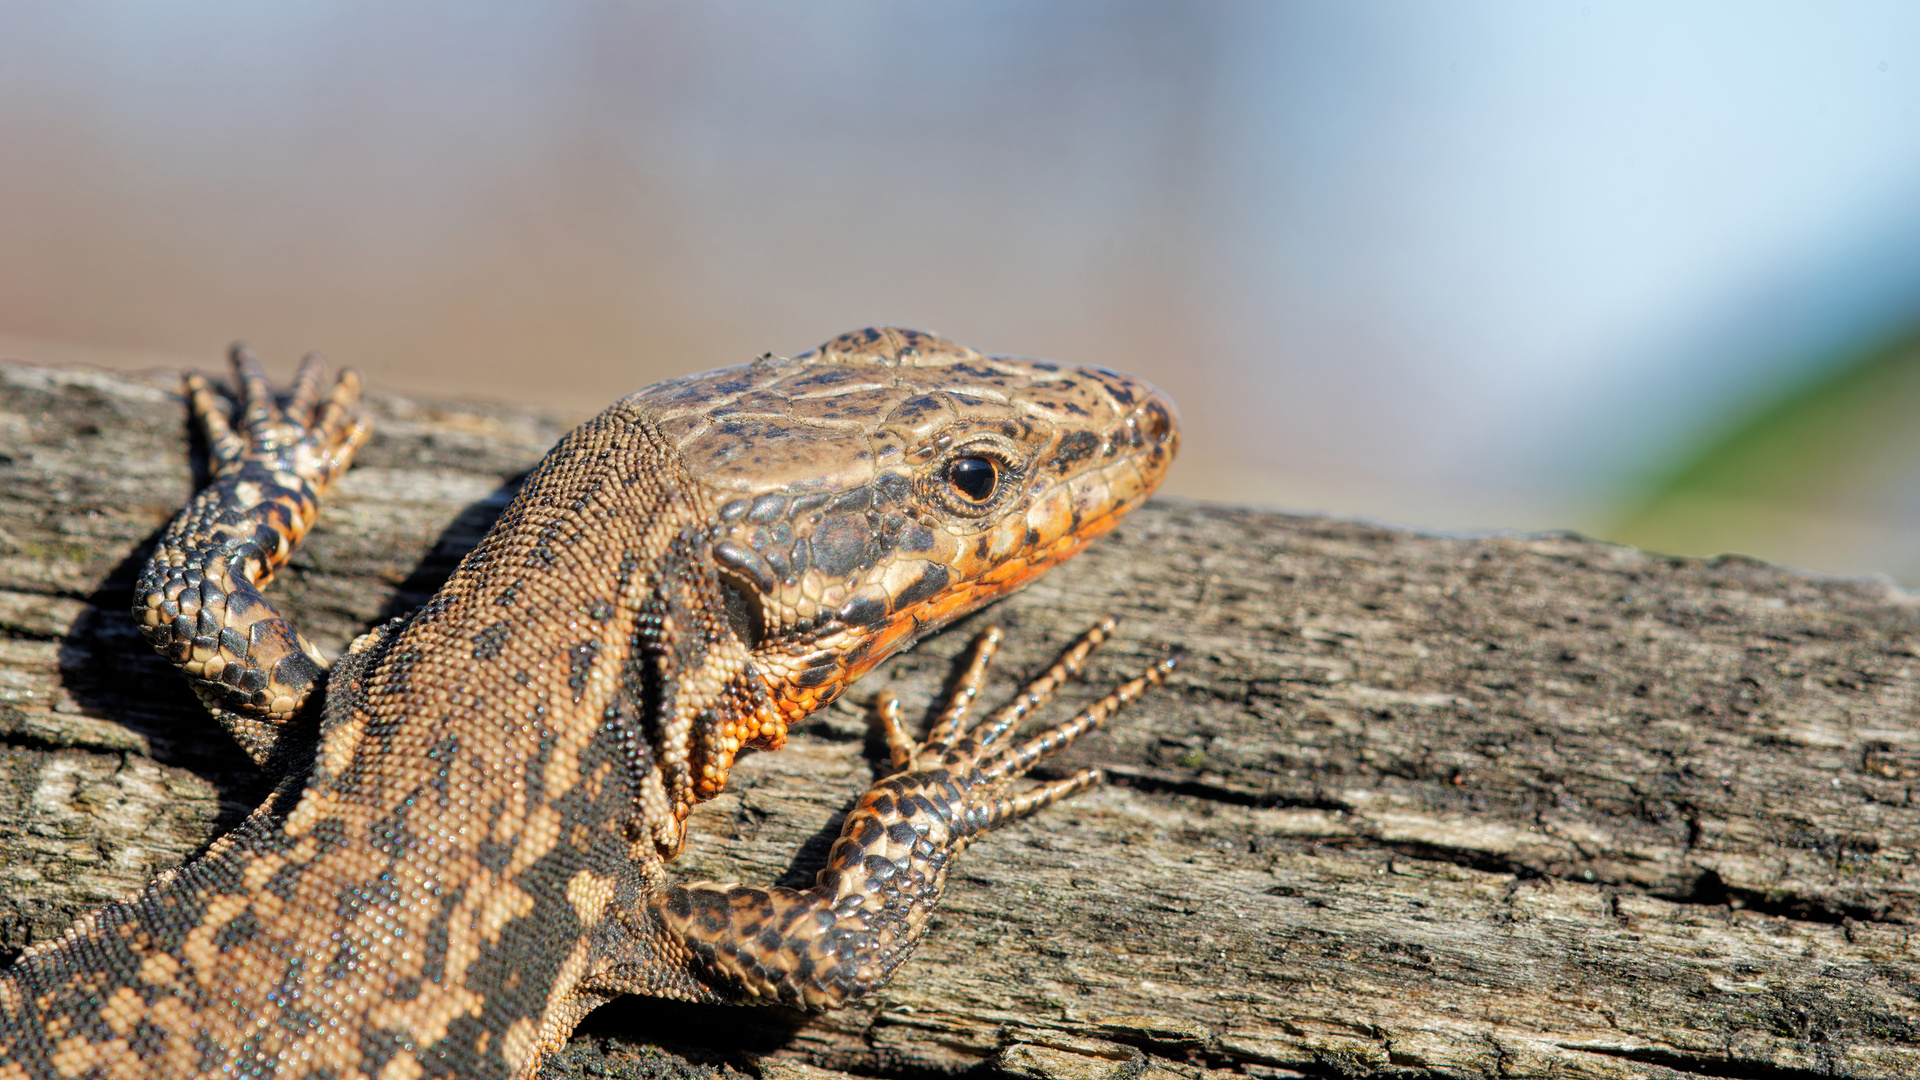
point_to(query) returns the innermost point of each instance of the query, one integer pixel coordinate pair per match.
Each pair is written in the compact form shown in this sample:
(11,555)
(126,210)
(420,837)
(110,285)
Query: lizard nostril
(1157,425)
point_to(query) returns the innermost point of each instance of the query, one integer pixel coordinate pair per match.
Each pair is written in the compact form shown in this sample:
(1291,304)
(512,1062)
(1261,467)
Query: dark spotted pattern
(467,847)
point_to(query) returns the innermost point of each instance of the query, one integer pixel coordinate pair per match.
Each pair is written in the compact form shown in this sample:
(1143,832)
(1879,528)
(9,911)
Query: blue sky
(1573,232)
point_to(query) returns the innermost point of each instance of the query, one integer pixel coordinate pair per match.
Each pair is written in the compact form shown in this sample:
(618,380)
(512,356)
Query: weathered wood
(1414,805)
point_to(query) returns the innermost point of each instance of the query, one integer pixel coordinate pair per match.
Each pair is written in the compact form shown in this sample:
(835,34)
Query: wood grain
(1413,806)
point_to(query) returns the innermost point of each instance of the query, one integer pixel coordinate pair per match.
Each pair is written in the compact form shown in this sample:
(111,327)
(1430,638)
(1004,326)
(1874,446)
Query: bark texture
(1414,806)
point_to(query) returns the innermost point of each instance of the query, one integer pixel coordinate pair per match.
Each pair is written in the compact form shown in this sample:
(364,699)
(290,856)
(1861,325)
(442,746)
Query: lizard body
(466,850)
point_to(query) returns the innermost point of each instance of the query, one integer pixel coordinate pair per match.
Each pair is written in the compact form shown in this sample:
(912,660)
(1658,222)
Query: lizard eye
(974,477)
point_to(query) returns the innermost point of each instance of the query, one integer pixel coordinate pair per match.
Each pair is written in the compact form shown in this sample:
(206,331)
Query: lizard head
(870,491)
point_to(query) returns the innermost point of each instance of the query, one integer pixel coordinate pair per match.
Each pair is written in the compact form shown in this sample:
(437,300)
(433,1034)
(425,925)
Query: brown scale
(474,853)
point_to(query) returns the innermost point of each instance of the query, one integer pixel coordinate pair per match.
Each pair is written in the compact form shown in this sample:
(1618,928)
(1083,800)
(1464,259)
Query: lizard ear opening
(744,616)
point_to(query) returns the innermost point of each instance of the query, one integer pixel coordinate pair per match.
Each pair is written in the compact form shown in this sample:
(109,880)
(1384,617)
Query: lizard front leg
(817,948)
(198,600)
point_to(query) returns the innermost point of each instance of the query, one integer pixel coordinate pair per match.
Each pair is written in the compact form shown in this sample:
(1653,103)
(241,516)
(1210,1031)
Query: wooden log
(1413,806)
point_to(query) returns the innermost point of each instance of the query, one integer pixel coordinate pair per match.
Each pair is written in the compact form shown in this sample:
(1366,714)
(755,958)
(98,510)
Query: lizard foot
(959,776)
(819,947)
(310,437)
(198,601)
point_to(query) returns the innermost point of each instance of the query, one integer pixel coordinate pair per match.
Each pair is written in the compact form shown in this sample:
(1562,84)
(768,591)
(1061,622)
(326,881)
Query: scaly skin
(472,853)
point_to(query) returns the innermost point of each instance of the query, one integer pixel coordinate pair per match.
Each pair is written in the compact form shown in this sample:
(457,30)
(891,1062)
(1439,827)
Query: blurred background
(1649,271)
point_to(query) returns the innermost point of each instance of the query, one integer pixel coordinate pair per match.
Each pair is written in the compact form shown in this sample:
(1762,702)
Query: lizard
(466,848)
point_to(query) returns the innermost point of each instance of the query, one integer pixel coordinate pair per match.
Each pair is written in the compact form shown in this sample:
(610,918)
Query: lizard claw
(962,772)
(312,437)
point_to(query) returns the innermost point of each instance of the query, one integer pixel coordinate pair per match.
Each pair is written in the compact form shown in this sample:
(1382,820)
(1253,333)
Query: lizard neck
(589,614)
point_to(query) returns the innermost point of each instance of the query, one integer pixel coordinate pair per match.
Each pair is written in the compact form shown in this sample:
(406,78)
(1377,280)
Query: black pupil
(973,477)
